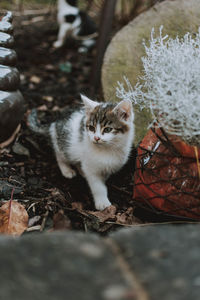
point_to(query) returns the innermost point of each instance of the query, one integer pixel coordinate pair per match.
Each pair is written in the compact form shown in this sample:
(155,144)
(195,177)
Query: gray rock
(6,40)
(9,78)
(59,266)
(8,17)
(6,189)
(12,108)
(123,55)
(164,259)
(11,101)
(8,57)
(20,149)
(145,262)
(6,27)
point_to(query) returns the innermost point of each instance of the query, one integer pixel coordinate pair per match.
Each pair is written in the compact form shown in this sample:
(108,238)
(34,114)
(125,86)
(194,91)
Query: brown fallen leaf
(127,218)
(77,205)
(56,108)
(49,67)
(47,98)
(61,221)
(108,213)
(13,218)
(62,80)
(42,107)
(35,79)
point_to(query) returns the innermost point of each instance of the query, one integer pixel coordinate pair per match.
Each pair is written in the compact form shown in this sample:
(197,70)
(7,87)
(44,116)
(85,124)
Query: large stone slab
(123,55)
(164,258)
(141,263)
(59,266)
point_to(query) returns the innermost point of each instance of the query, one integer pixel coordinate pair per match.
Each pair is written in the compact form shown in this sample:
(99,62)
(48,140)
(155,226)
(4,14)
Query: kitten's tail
(34,125)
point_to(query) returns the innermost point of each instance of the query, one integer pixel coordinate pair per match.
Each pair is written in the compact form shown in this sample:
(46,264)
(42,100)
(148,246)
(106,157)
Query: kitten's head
(107,123)
(72,2)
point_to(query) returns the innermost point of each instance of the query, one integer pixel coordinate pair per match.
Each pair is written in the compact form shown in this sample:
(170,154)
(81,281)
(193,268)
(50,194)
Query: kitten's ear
(124,109)
(88,103)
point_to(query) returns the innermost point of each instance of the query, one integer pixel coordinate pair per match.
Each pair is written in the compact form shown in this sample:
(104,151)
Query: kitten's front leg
(98,189)
(63,30)
(65,168)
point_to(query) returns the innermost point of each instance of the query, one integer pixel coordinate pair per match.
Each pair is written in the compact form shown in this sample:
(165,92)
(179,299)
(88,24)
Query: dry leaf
(108,213)
(42,107)
(62,80)
(13,218)
(49,67)
(61,221)
(48,98)
(56,108)
(127,218)
(77,205)
(35,79)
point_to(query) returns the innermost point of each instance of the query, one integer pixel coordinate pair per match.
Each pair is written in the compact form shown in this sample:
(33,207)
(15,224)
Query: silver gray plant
(170,85)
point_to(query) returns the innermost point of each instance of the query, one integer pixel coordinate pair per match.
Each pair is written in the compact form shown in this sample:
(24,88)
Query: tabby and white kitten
(72,21)
(97,138)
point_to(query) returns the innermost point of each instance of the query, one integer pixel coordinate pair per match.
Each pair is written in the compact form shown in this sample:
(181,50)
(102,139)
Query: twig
(197,159)
(120,190)
(33,12)
(152,224)
(44,220)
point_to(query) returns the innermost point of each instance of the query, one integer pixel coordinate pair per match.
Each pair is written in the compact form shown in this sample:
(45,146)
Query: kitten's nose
(96,138)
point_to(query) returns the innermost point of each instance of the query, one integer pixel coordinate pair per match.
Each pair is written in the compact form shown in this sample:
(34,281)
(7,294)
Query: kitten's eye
(107,129)
(91,128)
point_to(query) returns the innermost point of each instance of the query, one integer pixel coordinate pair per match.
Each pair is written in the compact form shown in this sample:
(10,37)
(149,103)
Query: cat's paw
(57,44)
(68,172)
(102,204)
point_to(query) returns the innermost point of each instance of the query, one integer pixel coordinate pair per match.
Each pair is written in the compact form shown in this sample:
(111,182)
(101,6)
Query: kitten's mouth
(97,143)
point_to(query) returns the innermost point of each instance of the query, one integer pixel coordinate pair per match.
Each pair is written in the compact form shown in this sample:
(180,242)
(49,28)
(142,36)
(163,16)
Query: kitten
(97,137)
(75,22)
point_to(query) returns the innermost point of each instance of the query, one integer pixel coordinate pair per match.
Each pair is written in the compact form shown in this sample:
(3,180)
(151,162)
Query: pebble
(9,78)
(6,27)
(6,40)
(20,149)
(8,17)
(7,57)
(6,189)
(11,112)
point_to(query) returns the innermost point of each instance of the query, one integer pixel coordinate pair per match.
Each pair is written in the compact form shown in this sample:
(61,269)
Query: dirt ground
(52,80)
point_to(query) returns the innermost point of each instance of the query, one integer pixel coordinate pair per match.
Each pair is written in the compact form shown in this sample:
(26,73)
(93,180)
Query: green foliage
(66,67)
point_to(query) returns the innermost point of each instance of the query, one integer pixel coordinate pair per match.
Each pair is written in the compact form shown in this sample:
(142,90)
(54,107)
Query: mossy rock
(123,55)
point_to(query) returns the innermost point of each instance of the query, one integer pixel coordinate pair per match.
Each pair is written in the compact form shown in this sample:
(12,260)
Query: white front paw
(102,204)
(57,44)
(68,172)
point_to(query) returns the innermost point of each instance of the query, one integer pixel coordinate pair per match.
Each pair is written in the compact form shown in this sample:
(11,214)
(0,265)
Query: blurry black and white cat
(74,22)
(96,138)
